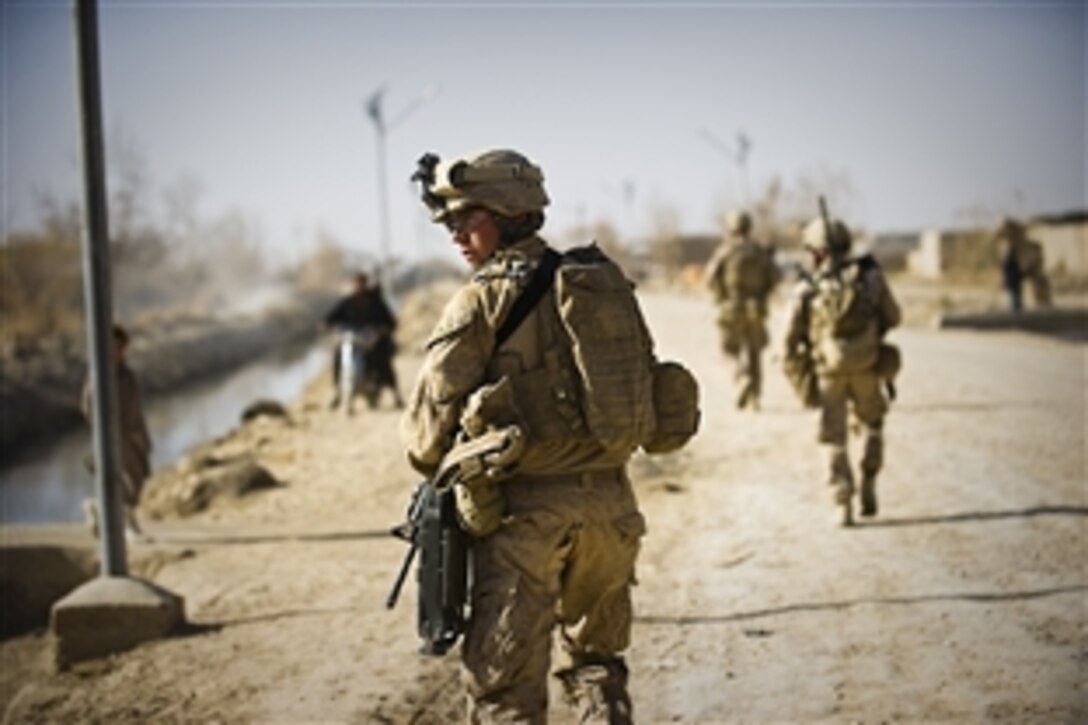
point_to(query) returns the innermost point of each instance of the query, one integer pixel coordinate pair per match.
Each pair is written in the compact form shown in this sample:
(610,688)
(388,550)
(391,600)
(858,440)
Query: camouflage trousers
(743,340)
(860,393)
(563,558)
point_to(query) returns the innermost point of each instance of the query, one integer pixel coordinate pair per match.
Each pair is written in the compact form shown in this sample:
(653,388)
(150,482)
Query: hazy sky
(929,108)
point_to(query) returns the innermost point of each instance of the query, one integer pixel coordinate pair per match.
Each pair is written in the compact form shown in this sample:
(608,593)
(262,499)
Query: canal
(51,486)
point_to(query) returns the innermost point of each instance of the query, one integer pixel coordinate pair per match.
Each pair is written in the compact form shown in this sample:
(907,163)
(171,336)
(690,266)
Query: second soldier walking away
(554,544)
(741,275)
(133,437)
(839,318)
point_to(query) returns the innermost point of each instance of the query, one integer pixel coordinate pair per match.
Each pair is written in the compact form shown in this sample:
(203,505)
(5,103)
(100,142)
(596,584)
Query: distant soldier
(839,318)
(1028,255)
(741,275)
(133,436)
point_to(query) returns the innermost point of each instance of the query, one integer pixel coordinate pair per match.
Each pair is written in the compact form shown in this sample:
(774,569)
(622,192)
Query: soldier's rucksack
(841,304)
(844,317)
(747,271)
(621,396)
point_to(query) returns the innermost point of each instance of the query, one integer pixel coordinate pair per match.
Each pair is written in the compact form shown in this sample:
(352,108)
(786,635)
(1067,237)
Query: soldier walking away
(741,275)
(365,308)
(1029,259)
(839,318)
(554,545)
(134,438)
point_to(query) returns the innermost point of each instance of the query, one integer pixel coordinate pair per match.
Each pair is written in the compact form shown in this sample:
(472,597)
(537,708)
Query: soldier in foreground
(741,275)
(836,328)
(554,544)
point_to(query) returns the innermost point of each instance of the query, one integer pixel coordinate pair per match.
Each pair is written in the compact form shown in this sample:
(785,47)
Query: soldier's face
(475,234)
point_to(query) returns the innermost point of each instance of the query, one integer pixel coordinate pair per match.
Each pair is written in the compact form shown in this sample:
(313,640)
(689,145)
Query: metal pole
(383,207)
(96,294)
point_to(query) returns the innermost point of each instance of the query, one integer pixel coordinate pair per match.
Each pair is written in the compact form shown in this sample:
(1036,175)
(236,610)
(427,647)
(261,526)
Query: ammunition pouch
(889,362)
(800,370)
(676,407)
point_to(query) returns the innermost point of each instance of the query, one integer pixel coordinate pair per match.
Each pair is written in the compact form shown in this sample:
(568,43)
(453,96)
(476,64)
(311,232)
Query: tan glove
(475,467)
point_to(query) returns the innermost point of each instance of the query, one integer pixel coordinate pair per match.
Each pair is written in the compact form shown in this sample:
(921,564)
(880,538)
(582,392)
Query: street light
(382,128)
(739,156)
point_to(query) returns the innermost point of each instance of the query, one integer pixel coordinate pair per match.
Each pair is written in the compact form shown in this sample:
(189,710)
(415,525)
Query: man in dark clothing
(1012,277)
(366,308)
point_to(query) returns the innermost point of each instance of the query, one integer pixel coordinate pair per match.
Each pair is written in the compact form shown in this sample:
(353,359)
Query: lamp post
(739,155)
(375,110)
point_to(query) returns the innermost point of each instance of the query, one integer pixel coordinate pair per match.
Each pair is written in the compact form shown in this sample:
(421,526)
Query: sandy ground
(965,600)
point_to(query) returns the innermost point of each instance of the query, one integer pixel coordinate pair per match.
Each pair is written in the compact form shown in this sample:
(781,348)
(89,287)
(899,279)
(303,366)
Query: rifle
(432,530)
(437,532)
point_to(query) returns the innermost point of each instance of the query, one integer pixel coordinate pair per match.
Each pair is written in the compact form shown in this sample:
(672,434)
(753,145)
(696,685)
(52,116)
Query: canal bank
(40,383)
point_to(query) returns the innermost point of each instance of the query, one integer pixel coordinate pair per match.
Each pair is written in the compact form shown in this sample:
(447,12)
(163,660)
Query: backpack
(844,317)
(841,303)
(622,396)
(747,271)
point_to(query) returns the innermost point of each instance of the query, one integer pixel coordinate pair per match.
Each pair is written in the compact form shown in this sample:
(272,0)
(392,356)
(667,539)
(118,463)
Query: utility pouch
(800,370)
(676,407)
(889,362)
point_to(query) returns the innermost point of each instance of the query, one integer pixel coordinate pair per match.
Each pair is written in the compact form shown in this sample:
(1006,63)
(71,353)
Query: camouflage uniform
(564,554)
(1029,258)
(741,275)
(841,315)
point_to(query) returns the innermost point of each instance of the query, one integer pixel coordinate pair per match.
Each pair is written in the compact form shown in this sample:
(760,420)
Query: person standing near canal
(133,435)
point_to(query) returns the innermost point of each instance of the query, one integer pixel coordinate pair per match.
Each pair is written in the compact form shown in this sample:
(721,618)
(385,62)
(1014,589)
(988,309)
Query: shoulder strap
(541,282)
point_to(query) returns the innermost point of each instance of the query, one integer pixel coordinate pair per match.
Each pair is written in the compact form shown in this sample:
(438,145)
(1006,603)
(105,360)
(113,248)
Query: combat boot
(598,691)
(844,495)
(868,496)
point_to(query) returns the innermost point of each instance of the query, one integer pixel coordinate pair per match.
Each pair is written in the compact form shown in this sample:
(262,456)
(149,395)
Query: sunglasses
(465,221)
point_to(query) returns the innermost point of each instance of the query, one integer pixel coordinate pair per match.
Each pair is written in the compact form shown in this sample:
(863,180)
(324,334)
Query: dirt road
(966,600)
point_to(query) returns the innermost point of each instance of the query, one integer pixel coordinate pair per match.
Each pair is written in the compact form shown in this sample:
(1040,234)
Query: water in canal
(51,486)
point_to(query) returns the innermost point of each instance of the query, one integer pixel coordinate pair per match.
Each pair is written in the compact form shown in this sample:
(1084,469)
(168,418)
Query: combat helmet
(1010,227)
(500,180)
(738,223)
(837,243)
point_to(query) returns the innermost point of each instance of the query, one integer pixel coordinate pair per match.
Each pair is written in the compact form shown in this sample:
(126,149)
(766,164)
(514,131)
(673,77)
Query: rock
(203,480)
(265,407)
